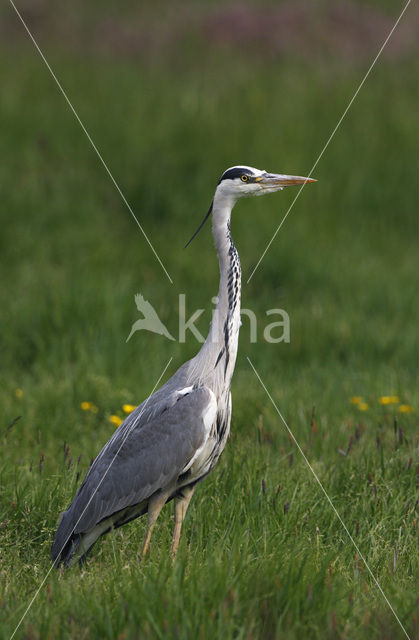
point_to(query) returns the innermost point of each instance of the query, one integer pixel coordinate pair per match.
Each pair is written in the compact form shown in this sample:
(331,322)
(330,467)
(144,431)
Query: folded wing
(147,453)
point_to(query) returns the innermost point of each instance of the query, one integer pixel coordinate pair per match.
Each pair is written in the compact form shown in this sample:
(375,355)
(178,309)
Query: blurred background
(172,94)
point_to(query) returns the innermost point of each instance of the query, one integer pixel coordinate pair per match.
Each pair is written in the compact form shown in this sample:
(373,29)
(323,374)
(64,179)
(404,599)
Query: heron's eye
(244,178)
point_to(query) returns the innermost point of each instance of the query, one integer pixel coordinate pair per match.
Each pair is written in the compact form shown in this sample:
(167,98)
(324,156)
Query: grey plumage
(154,455)
(173,439)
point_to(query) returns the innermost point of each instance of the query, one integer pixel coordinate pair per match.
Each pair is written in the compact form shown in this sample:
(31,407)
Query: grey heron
(175,437)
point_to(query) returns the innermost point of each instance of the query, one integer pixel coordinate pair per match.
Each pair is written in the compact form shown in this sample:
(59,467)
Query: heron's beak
(277,181)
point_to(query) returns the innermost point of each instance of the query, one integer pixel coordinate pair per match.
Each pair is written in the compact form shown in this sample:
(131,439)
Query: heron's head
(242,182)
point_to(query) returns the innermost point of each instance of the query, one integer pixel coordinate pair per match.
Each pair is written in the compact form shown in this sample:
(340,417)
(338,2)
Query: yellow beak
(276,181)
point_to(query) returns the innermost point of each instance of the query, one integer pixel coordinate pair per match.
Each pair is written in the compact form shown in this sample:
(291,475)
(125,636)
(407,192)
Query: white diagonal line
(90,139)
(135,422)
(330,138)
(327,497)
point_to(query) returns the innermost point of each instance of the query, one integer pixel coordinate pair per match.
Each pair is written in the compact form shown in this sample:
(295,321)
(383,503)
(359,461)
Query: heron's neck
(220,348)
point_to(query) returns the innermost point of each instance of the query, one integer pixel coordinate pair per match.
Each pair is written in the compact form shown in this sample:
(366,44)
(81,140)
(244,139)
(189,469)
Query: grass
(262,554)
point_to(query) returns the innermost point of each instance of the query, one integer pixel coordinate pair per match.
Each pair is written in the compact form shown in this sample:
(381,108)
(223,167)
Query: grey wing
(141,458)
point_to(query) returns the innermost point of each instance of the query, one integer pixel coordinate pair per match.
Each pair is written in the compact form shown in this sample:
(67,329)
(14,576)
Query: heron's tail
(68,546)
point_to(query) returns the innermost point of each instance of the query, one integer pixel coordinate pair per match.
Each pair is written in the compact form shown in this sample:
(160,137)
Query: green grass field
(262,554)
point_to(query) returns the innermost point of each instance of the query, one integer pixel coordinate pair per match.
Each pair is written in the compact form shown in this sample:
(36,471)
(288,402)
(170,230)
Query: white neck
(217,356)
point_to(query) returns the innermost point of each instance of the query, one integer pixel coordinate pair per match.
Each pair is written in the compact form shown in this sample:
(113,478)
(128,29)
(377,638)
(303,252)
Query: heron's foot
(142,557)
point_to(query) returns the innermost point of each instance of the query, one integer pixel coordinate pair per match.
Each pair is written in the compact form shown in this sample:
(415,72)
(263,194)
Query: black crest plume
(200,226)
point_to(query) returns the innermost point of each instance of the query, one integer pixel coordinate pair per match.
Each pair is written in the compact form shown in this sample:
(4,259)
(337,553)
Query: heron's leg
(181,506)
(155,505)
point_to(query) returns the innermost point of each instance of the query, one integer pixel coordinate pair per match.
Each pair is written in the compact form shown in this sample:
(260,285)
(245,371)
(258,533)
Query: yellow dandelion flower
(363,406)
(19,393)
(116,420)
(128,408)
(356,400)
(389,400)
(89,406)
(406,408)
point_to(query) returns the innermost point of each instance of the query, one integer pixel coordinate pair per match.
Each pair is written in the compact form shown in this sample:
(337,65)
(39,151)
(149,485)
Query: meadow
(263,554)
